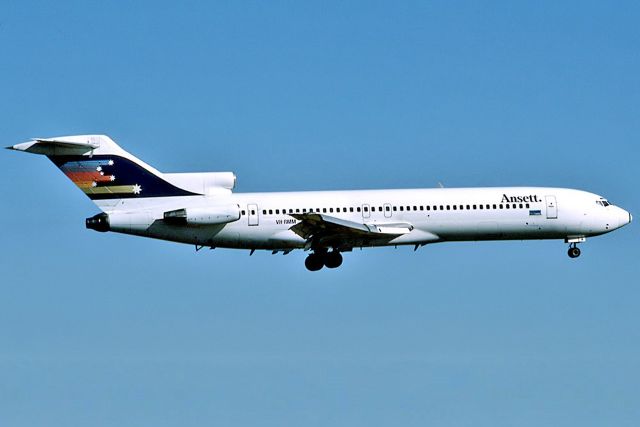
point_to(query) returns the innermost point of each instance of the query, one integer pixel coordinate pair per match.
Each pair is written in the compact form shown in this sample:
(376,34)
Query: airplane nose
(625,218)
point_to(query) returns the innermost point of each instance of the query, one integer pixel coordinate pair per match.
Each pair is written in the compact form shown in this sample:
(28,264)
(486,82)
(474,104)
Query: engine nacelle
(123,222)
(208,215)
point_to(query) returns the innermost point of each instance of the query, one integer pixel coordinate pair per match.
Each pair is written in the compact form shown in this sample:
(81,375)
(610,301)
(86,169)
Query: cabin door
(552,207)
(252,214)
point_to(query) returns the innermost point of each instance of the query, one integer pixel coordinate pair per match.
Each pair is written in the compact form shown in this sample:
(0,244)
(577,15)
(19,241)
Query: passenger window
(358,209)
(474,206)
(428,207)
(469,207)
(395,208)
(442,208)
(331,210)
(270,211)
(495,207)
(350,209)
(297,210)
(480,206)
(415,208)
(324,210)
(337,209)
(243,213)
(448,207)
(527,205)
(304,211)
(401,208)
(408,208)
(455,207)
(366,208)
(501,206)
(386,208)
(422,208)
(507,205)
(253,212)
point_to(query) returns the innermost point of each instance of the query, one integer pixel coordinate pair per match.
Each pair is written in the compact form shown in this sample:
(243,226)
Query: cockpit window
(603,202)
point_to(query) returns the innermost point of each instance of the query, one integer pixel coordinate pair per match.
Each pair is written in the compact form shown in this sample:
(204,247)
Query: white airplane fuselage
(202,209)
(435,215)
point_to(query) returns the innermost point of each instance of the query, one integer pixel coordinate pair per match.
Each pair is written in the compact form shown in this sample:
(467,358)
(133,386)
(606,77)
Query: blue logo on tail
(115,177)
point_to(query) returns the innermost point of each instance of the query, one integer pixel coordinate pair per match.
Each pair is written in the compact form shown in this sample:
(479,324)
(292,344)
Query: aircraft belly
(200,235)
(416,236)
(233,235)
(499,230)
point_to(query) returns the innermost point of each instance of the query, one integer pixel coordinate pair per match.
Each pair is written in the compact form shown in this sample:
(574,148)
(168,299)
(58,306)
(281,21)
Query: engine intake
(207,183)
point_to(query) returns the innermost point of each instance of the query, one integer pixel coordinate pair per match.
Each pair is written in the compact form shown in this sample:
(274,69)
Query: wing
(323,231)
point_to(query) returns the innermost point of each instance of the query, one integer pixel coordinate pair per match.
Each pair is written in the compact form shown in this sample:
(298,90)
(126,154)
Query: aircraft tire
(314,262)
(333,259)
(574,252)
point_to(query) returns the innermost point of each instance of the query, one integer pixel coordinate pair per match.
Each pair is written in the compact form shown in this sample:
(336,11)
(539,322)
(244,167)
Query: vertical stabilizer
(101,169)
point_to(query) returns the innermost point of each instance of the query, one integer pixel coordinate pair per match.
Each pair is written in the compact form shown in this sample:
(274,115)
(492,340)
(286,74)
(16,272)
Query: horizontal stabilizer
(57,146)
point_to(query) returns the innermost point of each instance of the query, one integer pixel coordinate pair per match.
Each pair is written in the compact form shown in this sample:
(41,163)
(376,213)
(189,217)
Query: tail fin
(101,169)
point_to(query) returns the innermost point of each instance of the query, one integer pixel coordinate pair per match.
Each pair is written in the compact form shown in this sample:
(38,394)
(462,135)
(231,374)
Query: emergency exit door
(387,210)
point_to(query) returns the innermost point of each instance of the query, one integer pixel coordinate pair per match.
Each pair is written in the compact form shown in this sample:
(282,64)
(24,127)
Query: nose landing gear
(317,260)
(573,241)
(574,251)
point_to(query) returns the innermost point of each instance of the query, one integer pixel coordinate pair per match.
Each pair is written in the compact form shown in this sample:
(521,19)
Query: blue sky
(104,329)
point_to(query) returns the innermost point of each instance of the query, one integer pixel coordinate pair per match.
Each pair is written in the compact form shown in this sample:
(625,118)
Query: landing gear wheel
(314,262)
(574,252)
(333,259)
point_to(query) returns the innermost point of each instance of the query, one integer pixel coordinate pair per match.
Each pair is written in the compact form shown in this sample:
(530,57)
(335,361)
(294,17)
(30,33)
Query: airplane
(201,208)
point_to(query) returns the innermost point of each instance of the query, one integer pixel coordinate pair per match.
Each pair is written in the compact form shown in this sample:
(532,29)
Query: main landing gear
(317,260)
(574,251)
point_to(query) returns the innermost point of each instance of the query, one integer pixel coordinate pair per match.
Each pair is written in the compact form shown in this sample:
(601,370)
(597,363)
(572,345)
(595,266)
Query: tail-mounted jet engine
(210,215)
